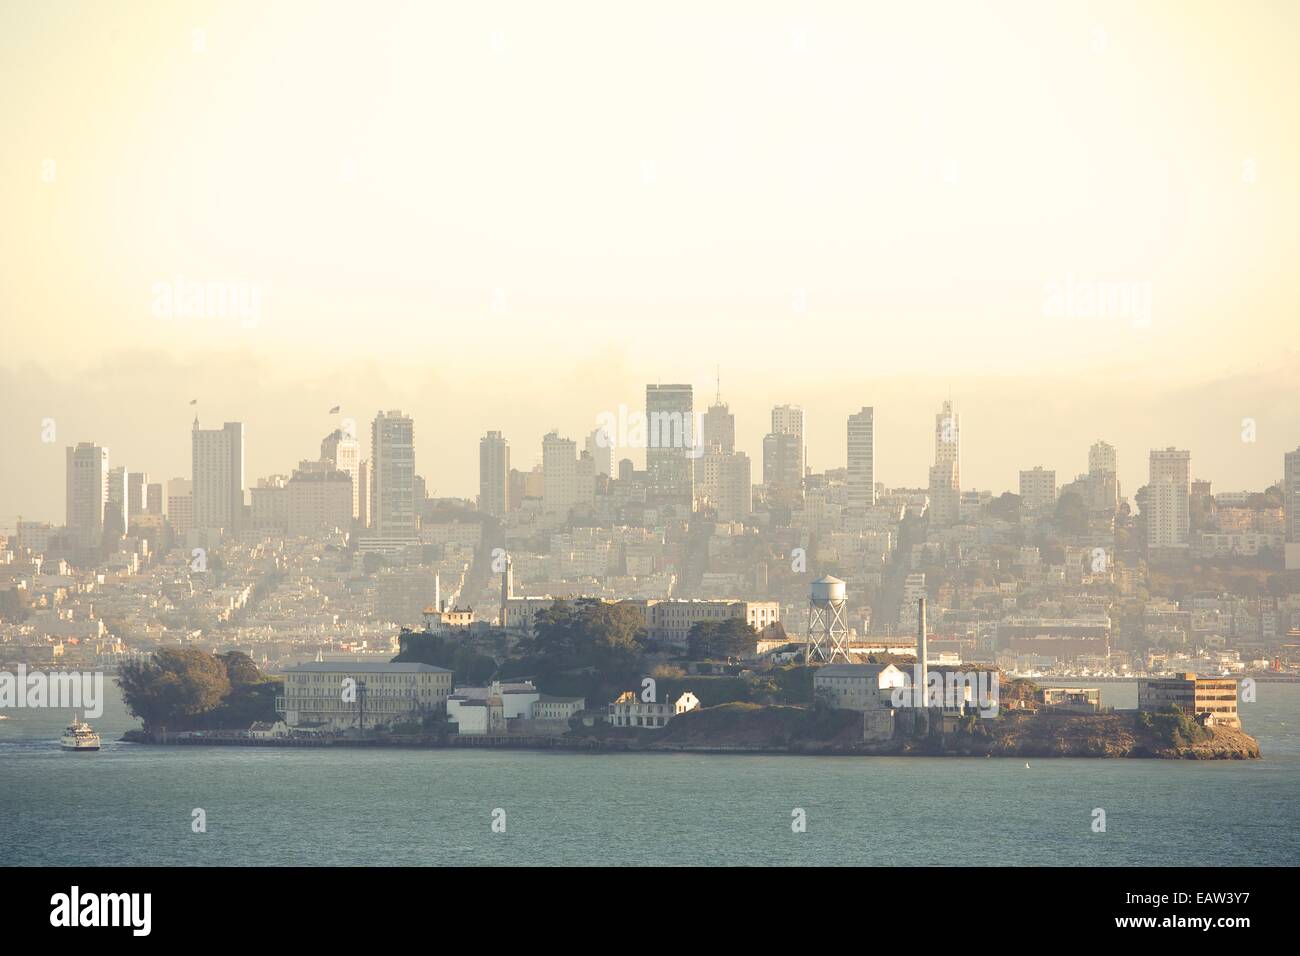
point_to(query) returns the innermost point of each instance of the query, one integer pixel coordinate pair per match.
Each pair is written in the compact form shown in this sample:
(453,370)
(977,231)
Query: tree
(1072,514)
(731,637)
(179,684)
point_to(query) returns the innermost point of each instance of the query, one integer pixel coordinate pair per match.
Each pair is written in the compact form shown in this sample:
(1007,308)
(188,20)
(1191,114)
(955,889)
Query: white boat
(79,736)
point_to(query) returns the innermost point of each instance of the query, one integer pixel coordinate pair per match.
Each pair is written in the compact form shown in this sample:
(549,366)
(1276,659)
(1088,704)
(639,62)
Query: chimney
(437,592)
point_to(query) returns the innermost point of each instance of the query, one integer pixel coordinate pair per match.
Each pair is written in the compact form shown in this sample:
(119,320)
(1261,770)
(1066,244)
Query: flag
(194,401)
(334,410)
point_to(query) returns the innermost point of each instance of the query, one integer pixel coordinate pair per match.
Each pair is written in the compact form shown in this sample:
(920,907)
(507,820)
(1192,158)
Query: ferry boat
(79,736)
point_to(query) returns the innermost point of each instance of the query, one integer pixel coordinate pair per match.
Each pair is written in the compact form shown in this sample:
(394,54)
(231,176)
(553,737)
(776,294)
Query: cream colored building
(344,695)
(629,710)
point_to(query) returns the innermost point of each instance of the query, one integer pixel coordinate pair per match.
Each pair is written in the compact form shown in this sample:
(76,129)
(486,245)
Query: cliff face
(741,727)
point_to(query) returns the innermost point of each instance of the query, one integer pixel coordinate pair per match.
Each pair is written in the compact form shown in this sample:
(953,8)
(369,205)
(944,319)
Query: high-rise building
(670,447)
(1101,459)
(945,475)
(782,460)
(718,425)
(493,474)
(600,446)
(87,493)
(862,460)
(115,505)
(318,499)
(153,500)
(1291,508)
(724,481)
(947,439)
(789,420)
(1037,489)
(136,504)
(559,475)
(392,476)
(1169,492)
(364,481)
(217,471)
(342,450)
(180,505)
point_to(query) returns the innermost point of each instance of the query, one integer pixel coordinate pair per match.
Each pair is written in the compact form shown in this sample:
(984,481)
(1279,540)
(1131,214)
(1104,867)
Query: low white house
(485,710)
(629,710)
(859,687)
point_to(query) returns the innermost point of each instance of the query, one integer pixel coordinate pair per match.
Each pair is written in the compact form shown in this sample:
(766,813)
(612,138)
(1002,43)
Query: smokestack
(437,592)
(922,660)
(507,588)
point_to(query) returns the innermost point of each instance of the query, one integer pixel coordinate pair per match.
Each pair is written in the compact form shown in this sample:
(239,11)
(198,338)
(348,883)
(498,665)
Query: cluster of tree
(184,688)
(15,605)
(608,637)
(723,639)
(469,665)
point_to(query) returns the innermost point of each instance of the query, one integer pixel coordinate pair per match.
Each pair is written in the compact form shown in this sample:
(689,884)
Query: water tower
(828,635)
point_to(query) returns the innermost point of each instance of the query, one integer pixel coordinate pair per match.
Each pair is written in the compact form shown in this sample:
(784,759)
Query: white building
(1169,499)
(629,710)
(559,474)
(859,687)
(217,472)
(343,695)
(392,476)
(87,492)
(862,460)
(342,450)
(1037,489)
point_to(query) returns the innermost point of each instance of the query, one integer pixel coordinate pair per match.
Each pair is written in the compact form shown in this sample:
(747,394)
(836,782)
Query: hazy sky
(1079,220)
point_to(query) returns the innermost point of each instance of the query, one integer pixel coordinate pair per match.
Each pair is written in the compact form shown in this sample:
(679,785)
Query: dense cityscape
(334,562)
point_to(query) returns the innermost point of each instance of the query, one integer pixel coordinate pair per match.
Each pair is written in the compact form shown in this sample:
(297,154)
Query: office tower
(363,493)
(392,476)
(115,507)
(342,450)
(1169,499)
(136,483)
(719,425)
(789,420)
(153,500)
(559,475)
(782,460)
(217,463)
(421,498)
(180,505)
(1101,459)
(725,483)
(317,499)
(270,504)
(600,446)
(1037,490)
(945,475)
(947,439)
(1291,506)
(670,445)
(862,460)
(87,493)
(493,474)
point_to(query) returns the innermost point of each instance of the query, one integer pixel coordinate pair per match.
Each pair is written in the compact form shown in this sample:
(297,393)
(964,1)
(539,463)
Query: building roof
(348,667)
(851,670)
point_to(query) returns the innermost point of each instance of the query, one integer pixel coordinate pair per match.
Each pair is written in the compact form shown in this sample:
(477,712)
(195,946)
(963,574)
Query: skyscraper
(115,505)
(559,474)
(342,450)
(137,483)
(600,446)
(392,476)
(945,475)
(862,460)
(789,420)
(782,457)
(670,445)
(217,472)
(493,474)
(1291,506)
(1169,495)
(87,493)
(1101,459)
(719,425)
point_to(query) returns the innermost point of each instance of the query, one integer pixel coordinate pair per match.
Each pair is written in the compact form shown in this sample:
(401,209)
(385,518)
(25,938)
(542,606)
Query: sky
(1076,220)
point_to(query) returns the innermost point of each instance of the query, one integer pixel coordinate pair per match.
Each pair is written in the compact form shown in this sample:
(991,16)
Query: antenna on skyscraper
(717,398)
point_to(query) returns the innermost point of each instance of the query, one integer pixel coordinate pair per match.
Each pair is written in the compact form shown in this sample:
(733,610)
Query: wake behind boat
(79,735)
